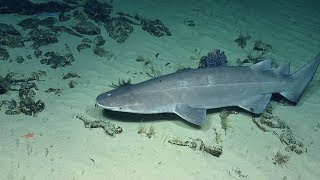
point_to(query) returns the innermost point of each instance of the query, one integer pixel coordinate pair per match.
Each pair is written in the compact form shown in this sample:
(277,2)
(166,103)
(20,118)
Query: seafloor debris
(280,159)
(119,29)
(268,122)
(155,27)
(242,40)
(147,131)
(198,144)
(99,12)
(215,58)
(87,28)
(55,60)
(225,123)
(121,83)
(110,129)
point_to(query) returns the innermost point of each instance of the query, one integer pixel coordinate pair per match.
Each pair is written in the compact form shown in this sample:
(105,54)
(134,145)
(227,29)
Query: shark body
(190,93)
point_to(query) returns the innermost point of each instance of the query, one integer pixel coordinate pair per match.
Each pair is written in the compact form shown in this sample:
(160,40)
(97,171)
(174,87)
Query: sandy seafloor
(62,148)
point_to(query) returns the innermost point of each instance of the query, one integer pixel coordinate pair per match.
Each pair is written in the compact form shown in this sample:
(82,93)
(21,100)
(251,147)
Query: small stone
(155,27)
(99,41)
(119,29)
(20,59)
(43,37)
(4,55)
(87,28)
(37,53)
(99,12)
(63,16)
(83,46)
(86,41)
(29,23)
(8,29)
(102,52)
(29,56)
(72,84)
(48,22)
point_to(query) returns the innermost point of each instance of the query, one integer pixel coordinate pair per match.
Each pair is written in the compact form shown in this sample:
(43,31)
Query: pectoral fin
(193,115)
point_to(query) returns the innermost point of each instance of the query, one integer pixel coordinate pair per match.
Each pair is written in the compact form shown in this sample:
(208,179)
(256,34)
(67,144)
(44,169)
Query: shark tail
(302,79)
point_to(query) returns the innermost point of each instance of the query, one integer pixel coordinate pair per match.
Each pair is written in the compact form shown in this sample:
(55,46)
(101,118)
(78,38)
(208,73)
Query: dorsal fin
(284,70)
(264,65)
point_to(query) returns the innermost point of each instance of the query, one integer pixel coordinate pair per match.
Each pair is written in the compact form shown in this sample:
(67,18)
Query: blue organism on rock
(213,59)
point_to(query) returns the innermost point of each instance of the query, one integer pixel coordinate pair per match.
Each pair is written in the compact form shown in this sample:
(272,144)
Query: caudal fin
(302,79)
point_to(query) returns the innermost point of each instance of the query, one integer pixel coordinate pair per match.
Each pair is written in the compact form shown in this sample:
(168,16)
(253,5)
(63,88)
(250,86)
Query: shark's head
(122,99)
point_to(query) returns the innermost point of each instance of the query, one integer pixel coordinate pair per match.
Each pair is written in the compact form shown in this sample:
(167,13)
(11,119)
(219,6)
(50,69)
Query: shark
(191,92)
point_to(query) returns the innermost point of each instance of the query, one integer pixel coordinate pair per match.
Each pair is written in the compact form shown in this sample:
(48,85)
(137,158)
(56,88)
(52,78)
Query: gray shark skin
(190,93)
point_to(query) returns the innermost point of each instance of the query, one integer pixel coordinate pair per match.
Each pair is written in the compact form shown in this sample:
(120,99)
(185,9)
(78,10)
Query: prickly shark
(190,93)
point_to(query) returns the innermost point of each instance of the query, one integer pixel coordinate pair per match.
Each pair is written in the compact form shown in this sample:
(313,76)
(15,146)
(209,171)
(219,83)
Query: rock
(26,7)
(87,28)
(72,83)
(4,55)
(71,75)
(31,108)
(29,23)
(10,37)
(99,12)
(55,60)
(66,30)
(37,53)
(19,59)
(8,29)
(63,16)
(155,27)
(48,22)
(79,15)
(12,41)
(86,40)
(119,29)
(83,46)
(99,41)
(43,37)
(102,52)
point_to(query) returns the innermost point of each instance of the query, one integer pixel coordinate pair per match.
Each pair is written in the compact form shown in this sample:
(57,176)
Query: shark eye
(121,107)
